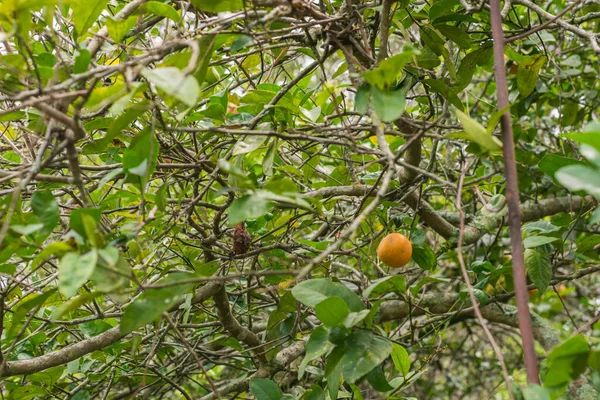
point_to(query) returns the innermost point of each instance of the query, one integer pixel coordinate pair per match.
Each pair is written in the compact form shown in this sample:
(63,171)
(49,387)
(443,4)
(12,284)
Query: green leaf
(109,177)
(265,389)
(267,164)
(333,360)
(26,229)
(247,207)
(333,372)
(76,219)
(594,360)
(312,115)
(587,243)
(139,159)
(174,83)
(314,393)
(8,269)
(535,241)
(541,226)
(153,302)
(29,303)
(569,113)
(48,377)
(595,218)
(575,346)
(275,319)
(161,9)
(86,13)
(355,318)
(378,381)
(390,70)
(240,43)
(392,283)
(551,163)
(74,270)
(57,249)
(112,272)
(467,67)
(218,6)
(116,127)
(535,392)
(438,86)
(161,197)
(514,56)
(317,345)
(313,291)
(428,59)
(28,392)
(528,72)
(481,266)
(361,101)
(389,104)
(248,144)
(82,61)
(495,119)
(73,304)
(440,8)
(432,39)
(237,177)
(332,311)
(424,257)
(457,35)
(580,177)
(566,361)
(589,136)
(89,225)
(480,295)
(338,334)
(356,392)
(538,268)
(364,351)
(401,359)
(263,97)
(478,133)
(591,154)
(287,303)
(118,28)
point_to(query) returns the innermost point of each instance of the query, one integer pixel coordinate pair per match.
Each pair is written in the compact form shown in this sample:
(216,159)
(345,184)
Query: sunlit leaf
(174,83)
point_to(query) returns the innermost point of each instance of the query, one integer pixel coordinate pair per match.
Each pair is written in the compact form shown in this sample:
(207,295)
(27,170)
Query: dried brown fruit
(241,239)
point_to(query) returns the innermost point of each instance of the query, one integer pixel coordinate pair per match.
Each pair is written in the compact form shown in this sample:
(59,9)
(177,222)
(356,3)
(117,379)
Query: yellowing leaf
(527,74)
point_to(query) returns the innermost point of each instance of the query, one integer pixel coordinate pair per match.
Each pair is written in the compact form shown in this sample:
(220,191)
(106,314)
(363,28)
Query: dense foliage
(192,194)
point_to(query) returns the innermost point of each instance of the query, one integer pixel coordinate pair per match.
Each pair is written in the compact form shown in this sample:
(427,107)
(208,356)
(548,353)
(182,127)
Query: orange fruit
(395,250)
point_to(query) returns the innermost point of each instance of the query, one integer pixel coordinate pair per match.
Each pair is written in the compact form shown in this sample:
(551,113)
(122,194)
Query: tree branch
(76,350)
(233,326)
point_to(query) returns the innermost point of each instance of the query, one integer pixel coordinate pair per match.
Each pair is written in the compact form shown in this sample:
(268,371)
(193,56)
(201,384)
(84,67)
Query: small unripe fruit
(395,250)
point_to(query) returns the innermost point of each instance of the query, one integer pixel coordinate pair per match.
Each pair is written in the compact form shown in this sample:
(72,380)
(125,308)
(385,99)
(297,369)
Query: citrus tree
(299,199)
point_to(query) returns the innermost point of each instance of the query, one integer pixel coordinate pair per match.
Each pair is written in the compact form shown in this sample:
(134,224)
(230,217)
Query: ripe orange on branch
(395,250)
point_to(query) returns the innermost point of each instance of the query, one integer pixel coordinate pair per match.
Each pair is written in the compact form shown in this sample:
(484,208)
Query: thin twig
(463,267)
